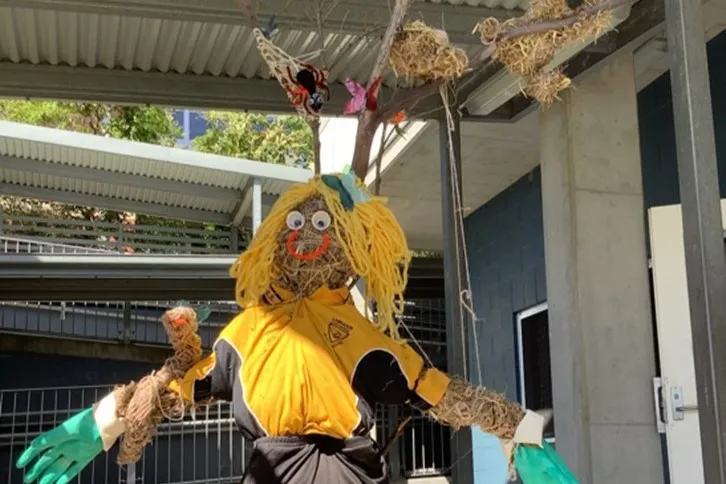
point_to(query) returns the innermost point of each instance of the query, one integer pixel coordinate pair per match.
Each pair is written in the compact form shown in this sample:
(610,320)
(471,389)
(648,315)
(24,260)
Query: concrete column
(597,281)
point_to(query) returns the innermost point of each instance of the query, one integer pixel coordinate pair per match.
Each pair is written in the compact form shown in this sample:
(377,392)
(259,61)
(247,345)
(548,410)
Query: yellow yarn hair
(374,244)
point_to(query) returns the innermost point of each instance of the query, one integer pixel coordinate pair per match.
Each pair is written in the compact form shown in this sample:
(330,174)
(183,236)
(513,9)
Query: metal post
(187,128)
(456,344)
(394,455)
(256,204)
(234,239)
(126,323)
(702,226)
(131,473)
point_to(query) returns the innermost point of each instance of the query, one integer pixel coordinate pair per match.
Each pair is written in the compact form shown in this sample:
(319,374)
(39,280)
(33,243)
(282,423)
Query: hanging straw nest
(546,86)
(145,404)
(527,55)
(422,53)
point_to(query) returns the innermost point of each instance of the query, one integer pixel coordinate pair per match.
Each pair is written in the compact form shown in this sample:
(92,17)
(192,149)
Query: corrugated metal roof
(505,4)
(202,48)
(104,167)
(147,44)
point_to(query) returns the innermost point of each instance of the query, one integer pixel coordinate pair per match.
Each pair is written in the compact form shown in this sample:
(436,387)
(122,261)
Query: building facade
(506,245)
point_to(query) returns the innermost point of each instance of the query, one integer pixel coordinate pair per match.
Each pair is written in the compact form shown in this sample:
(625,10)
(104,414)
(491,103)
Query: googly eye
(295,220)
(321,220)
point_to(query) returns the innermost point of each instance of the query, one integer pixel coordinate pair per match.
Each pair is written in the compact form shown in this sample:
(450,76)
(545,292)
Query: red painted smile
(310,255)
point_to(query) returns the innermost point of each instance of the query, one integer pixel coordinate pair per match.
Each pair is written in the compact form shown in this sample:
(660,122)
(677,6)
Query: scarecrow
(301,366)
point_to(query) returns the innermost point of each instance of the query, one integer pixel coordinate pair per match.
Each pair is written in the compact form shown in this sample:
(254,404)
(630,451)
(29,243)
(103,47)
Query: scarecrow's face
(309,254)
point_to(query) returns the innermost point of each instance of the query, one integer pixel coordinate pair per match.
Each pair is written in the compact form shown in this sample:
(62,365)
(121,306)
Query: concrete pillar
(602,346)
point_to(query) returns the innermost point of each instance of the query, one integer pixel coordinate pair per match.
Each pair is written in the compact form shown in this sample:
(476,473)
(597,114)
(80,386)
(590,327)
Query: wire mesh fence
(205,447)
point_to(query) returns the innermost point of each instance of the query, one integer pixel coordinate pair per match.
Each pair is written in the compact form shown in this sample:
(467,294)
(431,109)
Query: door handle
(687,408)
(679,408)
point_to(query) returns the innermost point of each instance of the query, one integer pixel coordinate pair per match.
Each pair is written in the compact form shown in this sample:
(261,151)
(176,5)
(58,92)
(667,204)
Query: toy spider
(308,88)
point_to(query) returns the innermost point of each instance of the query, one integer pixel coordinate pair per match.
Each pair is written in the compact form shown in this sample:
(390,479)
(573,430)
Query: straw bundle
(422,53)
(526,54)
(465,405)
(145,404)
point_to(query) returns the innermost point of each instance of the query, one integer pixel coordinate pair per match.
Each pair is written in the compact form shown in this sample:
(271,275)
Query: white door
(678,377)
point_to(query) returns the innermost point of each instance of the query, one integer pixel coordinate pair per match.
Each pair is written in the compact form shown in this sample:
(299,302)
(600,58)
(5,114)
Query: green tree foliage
(145,124)
(282,139)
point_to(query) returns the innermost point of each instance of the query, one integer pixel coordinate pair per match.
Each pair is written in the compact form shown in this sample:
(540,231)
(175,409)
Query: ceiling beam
(149,277)
(357,17)
(118,86)
(116,178)
(116,204)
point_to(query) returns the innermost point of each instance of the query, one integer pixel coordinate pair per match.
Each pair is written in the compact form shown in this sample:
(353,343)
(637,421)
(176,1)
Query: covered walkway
(121,175)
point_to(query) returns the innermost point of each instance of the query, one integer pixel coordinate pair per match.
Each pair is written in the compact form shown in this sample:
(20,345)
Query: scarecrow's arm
(465,404)
(184,382)
(203,384)
(403,376)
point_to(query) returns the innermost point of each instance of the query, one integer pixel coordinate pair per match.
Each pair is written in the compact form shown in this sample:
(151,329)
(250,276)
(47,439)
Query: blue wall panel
(505,239)
(506,250)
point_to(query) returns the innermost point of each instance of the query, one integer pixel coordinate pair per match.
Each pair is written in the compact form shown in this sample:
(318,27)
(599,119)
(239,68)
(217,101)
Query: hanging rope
(465,297)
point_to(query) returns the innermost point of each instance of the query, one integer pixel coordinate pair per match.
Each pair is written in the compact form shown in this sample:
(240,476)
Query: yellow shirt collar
(324,295)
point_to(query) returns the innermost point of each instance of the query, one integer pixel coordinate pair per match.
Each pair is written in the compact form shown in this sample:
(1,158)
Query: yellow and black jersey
(310,367)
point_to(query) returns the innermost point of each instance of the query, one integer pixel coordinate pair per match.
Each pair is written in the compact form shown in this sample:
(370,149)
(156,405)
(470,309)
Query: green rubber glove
(537,465)
(64,451)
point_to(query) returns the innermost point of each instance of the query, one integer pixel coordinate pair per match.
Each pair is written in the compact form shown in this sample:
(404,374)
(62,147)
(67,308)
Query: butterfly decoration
(270,27)
(361,97)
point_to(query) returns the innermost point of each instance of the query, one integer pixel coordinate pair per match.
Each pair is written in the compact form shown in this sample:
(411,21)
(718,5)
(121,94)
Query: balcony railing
(205,446)
(44,233)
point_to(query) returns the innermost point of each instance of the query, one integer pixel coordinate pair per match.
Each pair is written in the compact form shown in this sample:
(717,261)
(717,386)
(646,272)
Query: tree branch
(315,126)
(368,121)
(379,160)
(407,97)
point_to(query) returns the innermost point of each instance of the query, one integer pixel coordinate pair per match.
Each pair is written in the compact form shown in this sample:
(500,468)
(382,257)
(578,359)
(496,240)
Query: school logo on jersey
(338,331)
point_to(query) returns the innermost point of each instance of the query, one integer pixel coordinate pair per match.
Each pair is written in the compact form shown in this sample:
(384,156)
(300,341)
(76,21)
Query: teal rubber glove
(537,465)
(64,451)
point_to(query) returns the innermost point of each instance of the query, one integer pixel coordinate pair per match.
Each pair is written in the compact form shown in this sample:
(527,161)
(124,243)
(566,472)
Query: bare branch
(379,160)
(406,97)
(368,121)
(399,13)
(321,35)
(548,25)
(315,126)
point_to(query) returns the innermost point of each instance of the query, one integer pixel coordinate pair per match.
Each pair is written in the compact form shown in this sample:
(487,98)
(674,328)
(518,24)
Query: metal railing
(116,321)
(119,237)
(204,447)
(13,245)
(423,450)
